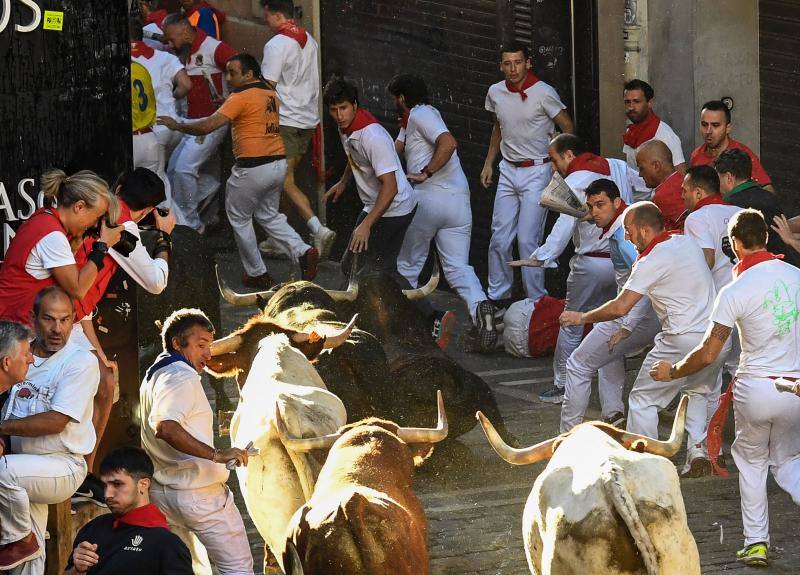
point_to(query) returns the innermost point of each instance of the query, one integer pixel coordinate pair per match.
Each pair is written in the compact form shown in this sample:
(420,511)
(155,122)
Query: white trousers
(592,355)
(517,214)
(208,521)
(648,395)
(28,484)
(254,194)
(146,152)
(445,215)
(767,439)
(590,284)
(191,182)
(168,140)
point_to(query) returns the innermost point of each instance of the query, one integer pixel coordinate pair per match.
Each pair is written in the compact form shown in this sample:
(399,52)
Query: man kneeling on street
(135,536)
(48,417)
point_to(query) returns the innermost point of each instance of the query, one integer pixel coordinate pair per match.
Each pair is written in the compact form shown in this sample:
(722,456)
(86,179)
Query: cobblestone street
(474,500)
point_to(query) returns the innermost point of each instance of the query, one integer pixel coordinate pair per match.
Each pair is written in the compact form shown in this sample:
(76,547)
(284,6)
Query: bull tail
(621,498)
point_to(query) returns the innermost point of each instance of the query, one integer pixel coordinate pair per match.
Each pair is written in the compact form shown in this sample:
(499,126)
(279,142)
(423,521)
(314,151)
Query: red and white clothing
(41,244)
(708,225)
(674,274)
(444,212)
(762,304)
(526,124)
(371,153)
(651,128)
(591,281)
(667,196)
(291,60)
(701,157)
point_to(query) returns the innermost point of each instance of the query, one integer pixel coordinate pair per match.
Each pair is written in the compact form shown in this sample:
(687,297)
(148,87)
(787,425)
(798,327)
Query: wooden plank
(59,546)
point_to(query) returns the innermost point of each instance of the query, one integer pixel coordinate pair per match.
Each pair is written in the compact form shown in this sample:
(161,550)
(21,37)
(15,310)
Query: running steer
(363,518)
(272,367)
(608,502)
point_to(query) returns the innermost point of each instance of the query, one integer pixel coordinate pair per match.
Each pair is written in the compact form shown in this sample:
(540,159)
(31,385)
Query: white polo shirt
(709,226)
(526,126)
(175,393)
(763,303)
(162,66)
(425,124)
(665,134)
(295,70)
(371,153)
(65,382)
(676,278)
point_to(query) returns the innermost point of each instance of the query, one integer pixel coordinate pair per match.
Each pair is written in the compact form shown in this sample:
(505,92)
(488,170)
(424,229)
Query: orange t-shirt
(253,112)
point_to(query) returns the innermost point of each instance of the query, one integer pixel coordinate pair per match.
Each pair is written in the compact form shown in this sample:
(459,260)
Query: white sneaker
(697,462)
(272,249)
(323,241)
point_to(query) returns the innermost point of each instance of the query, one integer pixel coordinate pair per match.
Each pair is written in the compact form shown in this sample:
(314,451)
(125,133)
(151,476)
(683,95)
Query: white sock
(314,224)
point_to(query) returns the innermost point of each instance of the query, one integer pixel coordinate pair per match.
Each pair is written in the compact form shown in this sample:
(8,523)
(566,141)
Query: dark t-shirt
(132,549)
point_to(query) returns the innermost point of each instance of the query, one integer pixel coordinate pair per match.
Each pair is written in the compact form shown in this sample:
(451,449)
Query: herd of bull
(335,498)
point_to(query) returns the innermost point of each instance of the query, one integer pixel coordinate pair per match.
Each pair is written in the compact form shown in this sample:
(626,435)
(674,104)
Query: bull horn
(428,288)
(305,443)
(526,456)
(242,299)
(337,339)
(230,344)
(426,435)
(351,293)
(666,448)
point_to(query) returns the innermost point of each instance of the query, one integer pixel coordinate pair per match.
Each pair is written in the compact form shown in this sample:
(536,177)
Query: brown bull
(364,518)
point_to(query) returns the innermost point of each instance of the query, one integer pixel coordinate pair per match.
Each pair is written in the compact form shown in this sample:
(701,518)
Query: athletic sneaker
(262,282)
(487,332)
(553,395)
(308,264)
(91,490)
(323,241)
(697,462)
(616,419)
(443,323)
(19,552)
(272,249)
(754,555)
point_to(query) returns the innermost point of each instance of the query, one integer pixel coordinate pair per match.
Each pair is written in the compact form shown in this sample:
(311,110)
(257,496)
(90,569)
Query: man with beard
(135,536)
(645,125)
(49,420)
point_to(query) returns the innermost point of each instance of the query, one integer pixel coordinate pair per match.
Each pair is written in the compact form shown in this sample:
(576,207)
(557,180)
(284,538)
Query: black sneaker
(617,419)
(91,490)
(553,395)
(308,264)
(487,332)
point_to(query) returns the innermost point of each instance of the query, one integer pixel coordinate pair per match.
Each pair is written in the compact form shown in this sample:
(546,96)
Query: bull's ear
(224,365)
(421,452)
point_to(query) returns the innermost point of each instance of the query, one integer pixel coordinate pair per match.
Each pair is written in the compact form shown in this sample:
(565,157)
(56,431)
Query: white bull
(600,508)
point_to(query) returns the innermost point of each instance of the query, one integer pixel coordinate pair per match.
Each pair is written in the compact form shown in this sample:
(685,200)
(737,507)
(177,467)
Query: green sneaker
(754,555)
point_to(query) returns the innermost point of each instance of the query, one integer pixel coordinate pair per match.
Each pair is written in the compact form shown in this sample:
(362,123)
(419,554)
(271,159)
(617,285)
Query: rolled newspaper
(559,197)
(232,463)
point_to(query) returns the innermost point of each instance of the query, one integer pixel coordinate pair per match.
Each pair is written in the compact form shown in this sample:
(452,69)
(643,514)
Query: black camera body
(126,243)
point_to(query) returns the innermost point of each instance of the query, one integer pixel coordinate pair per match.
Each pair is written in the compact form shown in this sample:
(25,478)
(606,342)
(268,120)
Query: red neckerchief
(156,17)
(146,516)
(293,30)
(662,237)
(361,121)
(644,131)
(591,162)
(404,119)
(530,80)
(753,260)
(199,38)
(713,199)
(139,48)
(620,210)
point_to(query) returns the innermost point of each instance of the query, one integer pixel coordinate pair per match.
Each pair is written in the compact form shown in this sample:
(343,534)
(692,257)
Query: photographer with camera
(138,193)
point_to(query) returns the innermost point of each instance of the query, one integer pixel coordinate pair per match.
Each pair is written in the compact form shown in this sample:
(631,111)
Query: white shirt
(52,251)
(763,303)
(150,273)
(295,70)
(709,226)
(526,126)
(425,125)
(371,153)
(162,67)
(153,28)
(676,278)
(665,134)
(175,393)
(585,235)
(65,382)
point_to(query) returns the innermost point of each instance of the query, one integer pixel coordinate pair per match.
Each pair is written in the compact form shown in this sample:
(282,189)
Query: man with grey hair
(48,417)
(15,356)
(189,482)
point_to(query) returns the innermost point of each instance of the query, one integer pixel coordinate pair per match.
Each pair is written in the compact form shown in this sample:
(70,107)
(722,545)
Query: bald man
(656,167)
(672,271)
